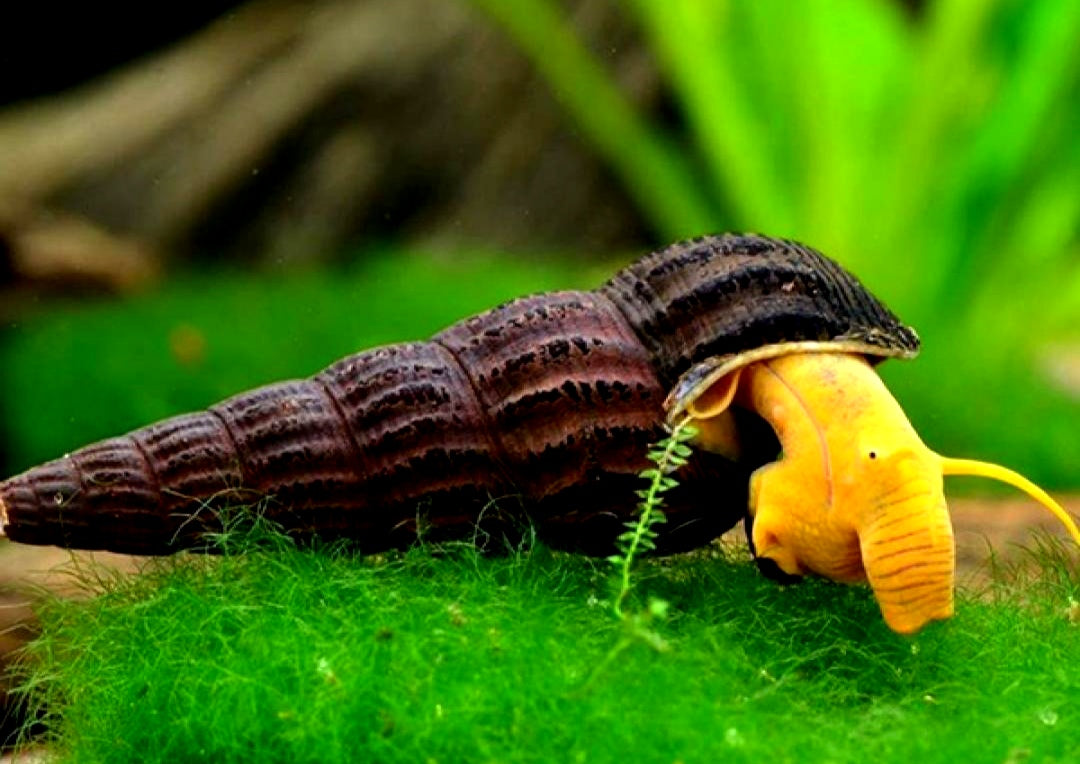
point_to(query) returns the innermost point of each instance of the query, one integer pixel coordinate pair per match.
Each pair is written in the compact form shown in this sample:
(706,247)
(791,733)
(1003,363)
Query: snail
(542,410)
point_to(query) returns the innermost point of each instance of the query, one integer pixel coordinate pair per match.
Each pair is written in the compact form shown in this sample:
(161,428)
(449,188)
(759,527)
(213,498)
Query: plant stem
(668,460)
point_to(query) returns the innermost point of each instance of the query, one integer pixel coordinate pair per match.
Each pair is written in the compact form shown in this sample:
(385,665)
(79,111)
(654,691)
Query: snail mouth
(910,560)
(839,562)
(771,569)
(908,611)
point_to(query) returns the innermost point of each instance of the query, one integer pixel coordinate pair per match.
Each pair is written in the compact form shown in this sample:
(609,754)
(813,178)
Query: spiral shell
(538,411)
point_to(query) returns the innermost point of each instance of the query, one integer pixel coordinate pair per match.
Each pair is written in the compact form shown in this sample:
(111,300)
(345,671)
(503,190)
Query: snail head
(855,495)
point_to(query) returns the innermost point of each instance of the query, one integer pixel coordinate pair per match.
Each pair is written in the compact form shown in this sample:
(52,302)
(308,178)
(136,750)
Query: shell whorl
(724,295)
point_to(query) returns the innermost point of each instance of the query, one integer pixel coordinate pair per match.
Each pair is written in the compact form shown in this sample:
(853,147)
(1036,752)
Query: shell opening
(700,377)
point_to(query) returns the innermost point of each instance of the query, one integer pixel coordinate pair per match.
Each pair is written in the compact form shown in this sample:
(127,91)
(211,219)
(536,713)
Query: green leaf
(698,48)
(653,167)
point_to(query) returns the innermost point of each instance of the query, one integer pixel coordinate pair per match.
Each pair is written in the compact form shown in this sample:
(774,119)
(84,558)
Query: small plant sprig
(668,455)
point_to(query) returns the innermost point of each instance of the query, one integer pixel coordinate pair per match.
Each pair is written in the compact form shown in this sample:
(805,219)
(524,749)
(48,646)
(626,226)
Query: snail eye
(873,454)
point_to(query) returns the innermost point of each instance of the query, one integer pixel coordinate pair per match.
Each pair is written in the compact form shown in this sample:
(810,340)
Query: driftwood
(290,130)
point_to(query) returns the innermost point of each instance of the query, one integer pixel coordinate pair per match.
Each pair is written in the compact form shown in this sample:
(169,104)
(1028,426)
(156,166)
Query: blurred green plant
(935,156)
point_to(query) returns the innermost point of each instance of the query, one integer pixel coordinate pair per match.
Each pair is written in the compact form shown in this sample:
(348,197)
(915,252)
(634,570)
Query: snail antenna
(976,468)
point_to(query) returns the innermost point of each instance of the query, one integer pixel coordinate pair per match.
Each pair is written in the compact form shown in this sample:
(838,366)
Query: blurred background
(198,199)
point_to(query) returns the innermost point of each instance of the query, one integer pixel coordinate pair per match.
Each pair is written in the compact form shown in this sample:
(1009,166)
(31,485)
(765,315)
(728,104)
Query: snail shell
(540,410)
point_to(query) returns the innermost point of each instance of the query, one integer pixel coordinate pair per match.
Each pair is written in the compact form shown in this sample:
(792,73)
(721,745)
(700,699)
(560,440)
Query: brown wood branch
(340,43)
(289,130)
(57,250)
(45,145)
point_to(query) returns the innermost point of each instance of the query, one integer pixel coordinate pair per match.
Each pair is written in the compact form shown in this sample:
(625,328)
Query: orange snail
(542,409)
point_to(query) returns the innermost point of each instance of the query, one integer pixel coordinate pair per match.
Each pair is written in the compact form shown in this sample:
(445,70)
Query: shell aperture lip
(700,377)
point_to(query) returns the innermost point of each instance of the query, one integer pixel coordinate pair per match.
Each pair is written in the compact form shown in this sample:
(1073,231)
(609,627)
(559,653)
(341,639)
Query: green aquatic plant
(668,455)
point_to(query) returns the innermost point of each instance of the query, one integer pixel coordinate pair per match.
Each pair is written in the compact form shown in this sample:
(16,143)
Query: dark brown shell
(725,295)
(540,410)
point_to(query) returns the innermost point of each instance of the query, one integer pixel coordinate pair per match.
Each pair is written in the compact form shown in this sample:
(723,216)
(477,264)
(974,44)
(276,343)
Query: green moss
(445,655)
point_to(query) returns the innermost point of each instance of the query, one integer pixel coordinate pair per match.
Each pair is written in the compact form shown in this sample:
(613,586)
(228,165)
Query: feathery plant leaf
(668,455)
